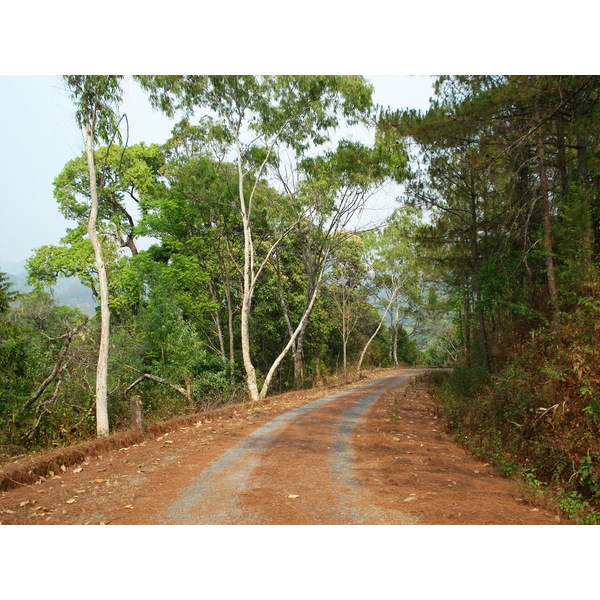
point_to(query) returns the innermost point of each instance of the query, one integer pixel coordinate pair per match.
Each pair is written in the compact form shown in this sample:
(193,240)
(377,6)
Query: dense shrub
(541,413)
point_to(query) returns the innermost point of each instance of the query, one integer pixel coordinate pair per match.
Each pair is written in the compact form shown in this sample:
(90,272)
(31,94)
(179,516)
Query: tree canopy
(232,261)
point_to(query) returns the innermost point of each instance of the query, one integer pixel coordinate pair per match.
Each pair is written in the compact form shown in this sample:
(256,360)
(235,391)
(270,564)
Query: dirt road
(369,454)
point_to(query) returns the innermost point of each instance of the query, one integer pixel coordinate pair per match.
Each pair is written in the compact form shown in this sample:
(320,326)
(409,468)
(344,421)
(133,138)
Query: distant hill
(68,290)
(72,292)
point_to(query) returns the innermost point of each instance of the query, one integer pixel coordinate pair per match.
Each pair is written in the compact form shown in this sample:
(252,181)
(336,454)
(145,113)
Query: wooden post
(137,414)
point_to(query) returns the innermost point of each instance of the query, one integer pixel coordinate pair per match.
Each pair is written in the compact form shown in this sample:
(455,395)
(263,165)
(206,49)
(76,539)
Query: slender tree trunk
(475,262)
(299,356)
(582,164)
(288,321)
(102,425)
(313,289)
(395,334)
(293,339)
(562,160)
(364,351)
(467,322)
(525,204)
(217,320)
(251,381)
(245,335)
(299,359)
(345,335)
(545,201)
(318,368)
(591,226)
(227,289)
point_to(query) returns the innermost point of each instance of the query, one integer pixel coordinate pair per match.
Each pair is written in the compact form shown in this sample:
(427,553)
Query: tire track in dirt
(296,469)
(326,462)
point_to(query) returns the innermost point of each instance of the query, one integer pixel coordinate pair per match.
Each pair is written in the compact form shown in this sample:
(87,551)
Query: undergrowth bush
(539,416)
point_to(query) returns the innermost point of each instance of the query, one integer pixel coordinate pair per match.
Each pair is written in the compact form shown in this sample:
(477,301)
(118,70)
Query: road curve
(295,469)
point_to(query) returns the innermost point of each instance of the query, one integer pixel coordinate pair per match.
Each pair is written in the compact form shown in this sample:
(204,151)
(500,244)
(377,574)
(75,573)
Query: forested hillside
(509,179)
(68,290)
(263,277)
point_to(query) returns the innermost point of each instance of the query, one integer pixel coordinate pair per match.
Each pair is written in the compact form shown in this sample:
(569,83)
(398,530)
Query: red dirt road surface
(374,452)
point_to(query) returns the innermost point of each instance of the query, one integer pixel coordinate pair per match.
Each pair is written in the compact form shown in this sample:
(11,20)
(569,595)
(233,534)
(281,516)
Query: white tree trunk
(247,292)
(102,426)
(293,338)
(345,336)
(362,355)
(246,358)
(395,333)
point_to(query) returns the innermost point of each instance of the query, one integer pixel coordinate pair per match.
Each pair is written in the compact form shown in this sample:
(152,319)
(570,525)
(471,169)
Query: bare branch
(143,376)
(57,366)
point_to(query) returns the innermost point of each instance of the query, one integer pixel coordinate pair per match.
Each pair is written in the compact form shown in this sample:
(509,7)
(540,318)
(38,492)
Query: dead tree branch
(185,393)
(57,366)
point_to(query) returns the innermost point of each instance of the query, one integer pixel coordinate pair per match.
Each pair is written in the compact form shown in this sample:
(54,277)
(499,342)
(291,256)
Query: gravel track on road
(374,452)
(217,495)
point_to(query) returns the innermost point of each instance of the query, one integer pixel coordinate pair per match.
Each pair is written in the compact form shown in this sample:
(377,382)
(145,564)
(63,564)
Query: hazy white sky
(38,136)
(37,131)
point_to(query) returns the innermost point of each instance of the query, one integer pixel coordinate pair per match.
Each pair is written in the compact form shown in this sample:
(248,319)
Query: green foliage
(73,257)
(20,361)
(6,294)
(434,357)
(510,187)
(299,110)
(96,97)
(32,336)
(212,375)
(175,308)
(36,310)
(573,505)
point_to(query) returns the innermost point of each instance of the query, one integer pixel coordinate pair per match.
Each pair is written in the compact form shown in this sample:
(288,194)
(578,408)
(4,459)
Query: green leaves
(6,294)
(295,110)
(96,98)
